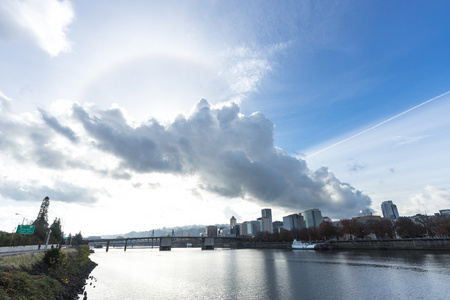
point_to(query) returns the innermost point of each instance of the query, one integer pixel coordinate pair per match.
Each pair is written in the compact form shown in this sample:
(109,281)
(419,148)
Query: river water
(268,274)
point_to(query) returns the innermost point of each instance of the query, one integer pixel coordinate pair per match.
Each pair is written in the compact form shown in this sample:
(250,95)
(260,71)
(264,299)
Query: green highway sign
(25,229)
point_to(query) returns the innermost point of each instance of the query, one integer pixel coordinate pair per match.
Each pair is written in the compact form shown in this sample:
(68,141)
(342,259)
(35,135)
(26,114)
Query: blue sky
(102,110)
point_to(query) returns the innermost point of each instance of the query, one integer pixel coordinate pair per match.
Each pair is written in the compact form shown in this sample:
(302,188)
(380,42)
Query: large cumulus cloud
(28,142)
(232,154)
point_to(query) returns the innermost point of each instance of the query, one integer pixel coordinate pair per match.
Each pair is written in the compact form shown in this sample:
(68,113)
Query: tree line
(41,230)
(403,227)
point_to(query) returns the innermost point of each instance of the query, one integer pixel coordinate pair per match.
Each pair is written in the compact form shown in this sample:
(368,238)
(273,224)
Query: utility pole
(48,237)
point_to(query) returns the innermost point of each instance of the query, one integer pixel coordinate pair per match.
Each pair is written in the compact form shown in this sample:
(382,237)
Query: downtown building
(293,221)
(211,231)
(312,217)
(266,220)
(389,210)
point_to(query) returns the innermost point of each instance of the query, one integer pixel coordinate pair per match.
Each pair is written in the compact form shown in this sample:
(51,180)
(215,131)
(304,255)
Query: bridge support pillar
(165,244)
(107,246)
(208,243)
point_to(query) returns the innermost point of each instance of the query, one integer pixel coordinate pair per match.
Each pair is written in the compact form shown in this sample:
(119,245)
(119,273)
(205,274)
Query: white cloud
(214,157)
(432,199)
(232,155)
(45,22)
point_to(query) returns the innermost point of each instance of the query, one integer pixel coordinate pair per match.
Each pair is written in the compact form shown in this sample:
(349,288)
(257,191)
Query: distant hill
(189,230)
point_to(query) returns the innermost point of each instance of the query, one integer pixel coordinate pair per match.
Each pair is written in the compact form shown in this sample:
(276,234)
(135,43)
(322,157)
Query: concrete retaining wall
(28,248)
(404,244)
(264,245)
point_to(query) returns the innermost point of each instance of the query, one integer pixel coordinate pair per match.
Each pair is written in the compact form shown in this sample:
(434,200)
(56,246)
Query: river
(268,274)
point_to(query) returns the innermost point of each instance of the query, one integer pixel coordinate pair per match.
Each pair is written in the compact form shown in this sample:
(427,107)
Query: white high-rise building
(389,210)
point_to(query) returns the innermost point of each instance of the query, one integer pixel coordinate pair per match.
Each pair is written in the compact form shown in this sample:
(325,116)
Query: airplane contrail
(378,125)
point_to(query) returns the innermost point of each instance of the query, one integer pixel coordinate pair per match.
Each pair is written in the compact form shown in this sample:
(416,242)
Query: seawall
(400,244)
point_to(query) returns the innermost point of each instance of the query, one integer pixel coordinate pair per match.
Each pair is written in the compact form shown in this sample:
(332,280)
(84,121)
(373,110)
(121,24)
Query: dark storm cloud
(53,123)
(233,155)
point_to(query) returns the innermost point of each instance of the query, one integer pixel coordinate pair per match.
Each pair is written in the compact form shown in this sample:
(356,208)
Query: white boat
(302,246)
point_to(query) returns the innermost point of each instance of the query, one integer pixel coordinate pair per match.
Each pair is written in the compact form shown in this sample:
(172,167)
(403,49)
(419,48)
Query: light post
(14,232)
(17,214)
(48,237)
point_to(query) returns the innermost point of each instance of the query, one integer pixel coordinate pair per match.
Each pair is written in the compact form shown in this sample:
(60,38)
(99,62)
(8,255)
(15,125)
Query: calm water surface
(268,274)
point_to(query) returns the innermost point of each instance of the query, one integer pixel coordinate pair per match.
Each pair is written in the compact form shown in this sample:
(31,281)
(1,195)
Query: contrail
(378,125)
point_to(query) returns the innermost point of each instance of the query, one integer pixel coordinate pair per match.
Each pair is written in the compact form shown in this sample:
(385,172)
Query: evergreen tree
(42,218)
(77,239)
(57,233)
(41,221)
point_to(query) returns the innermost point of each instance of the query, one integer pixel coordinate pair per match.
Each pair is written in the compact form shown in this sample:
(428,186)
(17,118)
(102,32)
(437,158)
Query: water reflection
(269,274)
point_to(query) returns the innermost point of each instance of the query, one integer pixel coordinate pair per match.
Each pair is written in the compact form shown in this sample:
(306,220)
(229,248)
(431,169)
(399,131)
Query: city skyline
(130,115)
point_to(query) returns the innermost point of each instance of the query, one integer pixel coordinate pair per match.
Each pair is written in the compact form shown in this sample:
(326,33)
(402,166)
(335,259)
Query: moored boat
(302,246)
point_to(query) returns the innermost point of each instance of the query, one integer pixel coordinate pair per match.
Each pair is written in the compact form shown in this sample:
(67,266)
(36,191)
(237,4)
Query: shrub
(21,285)
(53,256)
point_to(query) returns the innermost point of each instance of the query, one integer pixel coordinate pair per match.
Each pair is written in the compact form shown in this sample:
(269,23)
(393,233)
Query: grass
(20,261)
(54,274)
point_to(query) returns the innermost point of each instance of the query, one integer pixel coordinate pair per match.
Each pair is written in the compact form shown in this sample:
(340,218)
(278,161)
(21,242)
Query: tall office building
(293,221)
(244,228)
(237,229)
(276,225)
(444,212)
(389,210)
(211,231)
(232,222)
(313,218)
(253,227)
(266,220)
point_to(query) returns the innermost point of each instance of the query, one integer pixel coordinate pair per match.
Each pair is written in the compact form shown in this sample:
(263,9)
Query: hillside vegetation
(55,274)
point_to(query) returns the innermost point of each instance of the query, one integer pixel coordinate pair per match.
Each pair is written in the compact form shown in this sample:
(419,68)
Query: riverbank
(394,244)
(55,274)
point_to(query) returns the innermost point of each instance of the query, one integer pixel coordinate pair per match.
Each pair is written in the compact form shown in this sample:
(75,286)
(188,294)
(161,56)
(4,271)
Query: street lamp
(17,214)
(48,237)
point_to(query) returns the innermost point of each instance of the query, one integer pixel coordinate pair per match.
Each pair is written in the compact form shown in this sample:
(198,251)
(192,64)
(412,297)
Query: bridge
(166,242)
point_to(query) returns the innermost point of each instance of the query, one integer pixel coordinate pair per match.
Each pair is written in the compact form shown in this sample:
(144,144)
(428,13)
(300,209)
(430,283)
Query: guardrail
(24,249)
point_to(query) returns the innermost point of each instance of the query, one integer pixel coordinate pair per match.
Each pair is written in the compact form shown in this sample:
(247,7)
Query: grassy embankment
(55,274)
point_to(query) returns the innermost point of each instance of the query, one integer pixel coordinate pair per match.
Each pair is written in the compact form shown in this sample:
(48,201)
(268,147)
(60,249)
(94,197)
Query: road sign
(25,229)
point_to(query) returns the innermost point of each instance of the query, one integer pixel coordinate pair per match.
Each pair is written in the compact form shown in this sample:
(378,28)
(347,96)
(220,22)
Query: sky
(136,115)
